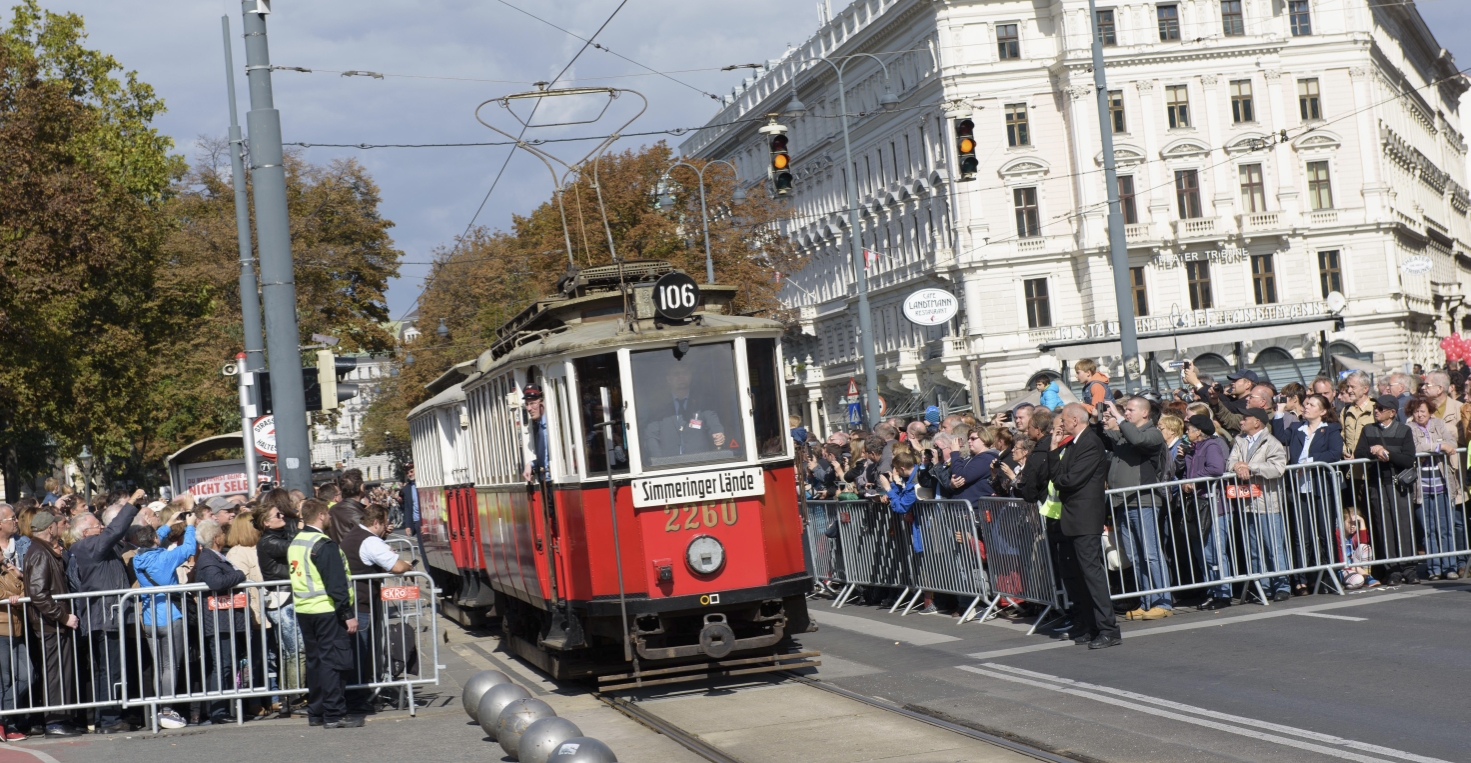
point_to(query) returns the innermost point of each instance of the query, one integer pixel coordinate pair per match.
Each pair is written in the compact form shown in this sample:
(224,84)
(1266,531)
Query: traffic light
(329,392)
(780,168)
(781,163)
(322,385)
(965,148)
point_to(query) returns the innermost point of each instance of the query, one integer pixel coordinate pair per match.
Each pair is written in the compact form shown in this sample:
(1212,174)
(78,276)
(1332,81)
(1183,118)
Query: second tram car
(677,538)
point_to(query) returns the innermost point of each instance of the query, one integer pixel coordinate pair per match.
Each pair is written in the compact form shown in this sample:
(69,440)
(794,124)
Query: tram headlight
(705,555)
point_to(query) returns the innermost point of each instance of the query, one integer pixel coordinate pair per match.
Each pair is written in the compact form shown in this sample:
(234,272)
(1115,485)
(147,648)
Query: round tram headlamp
(705,555)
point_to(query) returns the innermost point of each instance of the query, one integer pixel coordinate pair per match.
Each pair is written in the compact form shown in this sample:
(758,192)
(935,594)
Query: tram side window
(765,397)
(686,402)
(594,373)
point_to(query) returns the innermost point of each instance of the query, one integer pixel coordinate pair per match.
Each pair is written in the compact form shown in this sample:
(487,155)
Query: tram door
(565,454)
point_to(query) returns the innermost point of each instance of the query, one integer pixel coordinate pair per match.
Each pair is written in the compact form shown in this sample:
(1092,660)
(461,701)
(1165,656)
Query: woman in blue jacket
(1317,440)
(899,489)
(163,623)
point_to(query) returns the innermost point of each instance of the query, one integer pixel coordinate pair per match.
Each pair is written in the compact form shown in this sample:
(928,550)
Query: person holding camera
(899,485)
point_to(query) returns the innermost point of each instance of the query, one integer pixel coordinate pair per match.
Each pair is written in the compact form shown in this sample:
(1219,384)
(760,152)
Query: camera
(1178,365)
(1279,399)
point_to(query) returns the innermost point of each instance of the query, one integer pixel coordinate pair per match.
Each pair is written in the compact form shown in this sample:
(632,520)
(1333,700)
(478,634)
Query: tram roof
(580,338)
(447,397)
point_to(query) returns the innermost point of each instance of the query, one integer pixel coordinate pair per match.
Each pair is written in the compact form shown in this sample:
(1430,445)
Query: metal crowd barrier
(219,650)
(951,559)
(822,551)
(1405,516)
(875,547)
(1018,559)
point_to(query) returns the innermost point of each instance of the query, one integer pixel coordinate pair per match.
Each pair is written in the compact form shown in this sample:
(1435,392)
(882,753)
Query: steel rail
(714,754)
(965,731)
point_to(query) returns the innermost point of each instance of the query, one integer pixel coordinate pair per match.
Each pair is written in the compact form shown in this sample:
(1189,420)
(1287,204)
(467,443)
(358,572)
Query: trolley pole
(278,285)
(255,352)
(1117,245)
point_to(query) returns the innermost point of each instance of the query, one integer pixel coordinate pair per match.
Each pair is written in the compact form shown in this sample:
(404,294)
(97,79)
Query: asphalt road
(1374,676)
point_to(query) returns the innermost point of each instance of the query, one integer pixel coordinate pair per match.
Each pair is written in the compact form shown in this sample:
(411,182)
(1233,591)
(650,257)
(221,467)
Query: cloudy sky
(445,51)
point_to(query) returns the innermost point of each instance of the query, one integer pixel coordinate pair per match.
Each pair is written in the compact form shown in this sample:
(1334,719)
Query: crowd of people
(68,564)
(1178,495)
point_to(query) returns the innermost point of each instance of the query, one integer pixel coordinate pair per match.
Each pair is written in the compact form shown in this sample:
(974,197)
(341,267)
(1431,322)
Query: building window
(1232,24)
(1126,200)
(1039,314)
(1307,100)
(1028,223)
(1320,192)
(1116,111)
(1187,193)
(1016,125)
(1169,22)
(1141,295)
(1241,106)
(1330,276)
(1177,103)
(1008,45)
(1198,276)
(1299,17)
(1107,32)
(1263,279)
(1253,190)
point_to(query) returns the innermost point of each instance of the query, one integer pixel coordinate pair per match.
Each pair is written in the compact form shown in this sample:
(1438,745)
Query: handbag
(1405,479)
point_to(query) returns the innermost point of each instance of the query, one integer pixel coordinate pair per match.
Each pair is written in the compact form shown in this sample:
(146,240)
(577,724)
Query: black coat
(215,571)
(1032,486)
(1078,470)
(666,434)
(271,549)
(1397,439)
(97,564)
(346,514)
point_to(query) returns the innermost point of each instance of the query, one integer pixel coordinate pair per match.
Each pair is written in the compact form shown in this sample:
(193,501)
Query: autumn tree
(483,279)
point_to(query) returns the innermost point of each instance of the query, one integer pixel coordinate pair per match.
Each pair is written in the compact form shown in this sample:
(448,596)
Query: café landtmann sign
(1196,319)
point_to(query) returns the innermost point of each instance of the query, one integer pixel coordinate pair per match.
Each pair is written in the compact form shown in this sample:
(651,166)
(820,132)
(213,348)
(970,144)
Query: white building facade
(1270,153)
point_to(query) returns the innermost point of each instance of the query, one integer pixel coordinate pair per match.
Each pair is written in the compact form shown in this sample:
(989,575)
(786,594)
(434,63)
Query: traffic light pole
(860,264)
(278,285)
(250,321)
(1117,243)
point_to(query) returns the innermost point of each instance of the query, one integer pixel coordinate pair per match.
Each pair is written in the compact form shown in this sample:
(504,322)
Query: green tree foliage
(119,265)
(84,186)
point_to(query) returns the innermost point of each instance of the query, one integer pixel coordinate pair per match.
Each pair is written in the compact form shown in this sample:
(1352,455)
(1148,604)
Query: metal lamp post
(666,202)
(865,318)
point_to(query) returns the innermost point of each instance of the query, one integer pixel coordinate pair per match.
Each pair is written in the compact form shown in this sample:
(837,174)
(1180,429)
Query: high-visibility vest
(1052,507)
(307,588)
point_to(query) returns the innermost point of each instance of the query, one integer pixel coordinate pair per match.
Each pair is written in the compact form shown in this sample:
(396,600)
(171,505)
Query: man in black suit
(681,422)
(1077,466)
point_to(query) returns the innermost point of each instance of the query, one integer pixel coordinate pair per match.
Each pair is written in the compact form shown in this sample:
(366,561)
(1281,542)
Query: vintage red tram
(691,486)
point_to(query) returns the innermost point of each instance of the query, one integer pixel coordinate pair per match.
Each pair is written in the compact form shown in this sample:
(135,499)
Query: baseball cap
(1389,402)
(1247,374)
(1260,414)
(219,503)
(42,520)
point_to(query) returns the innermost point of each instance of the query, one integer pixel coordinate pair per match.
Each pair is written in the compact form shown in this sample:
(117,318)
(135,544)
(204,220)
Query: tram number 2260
(695,517)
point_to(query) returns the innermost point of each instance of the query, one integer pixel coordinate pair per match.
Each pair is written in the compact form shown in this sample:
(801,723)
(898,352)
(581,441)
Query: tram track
(692,742)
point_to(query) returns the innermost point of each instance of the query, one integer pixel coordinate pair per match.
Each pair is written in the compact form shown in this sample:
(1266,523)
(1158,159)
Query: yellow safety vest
(1052,507)
(307,588)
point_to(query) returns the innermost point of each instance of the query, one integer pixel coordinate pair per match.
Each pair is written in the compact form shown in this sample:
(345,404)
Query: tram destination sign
(704,486)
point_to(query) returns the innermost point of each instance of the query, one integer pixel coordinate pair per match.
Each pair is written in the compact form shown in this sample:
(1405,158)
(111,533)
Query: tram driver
(681,422)
(536,416)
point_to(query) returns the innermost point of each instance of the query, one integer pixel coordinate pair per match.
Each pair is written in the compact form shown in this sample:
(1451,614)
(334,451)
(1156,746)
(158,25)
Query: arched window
(1048,376)
(1273,355)
(1214,365)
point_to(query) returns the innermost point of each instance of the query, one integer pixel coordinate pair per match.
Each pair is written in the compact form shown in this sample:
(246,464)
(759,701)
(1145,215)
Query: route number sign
(676,296)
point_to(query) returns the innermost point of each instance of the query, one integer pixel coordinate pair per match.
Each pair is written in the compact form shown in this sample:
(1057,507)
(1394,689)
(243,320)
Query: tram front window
(687,412)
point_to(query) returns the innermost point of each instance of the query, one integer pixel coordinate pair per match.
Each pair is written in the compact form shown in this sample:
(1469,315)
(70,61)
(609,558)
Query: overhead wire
(524,127)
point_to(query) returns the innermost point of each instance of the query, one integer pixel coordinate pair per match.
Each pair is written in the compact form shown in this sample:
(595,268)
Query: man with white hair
(1077,465)
(1402,386)
(1437,389)
(97,565)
